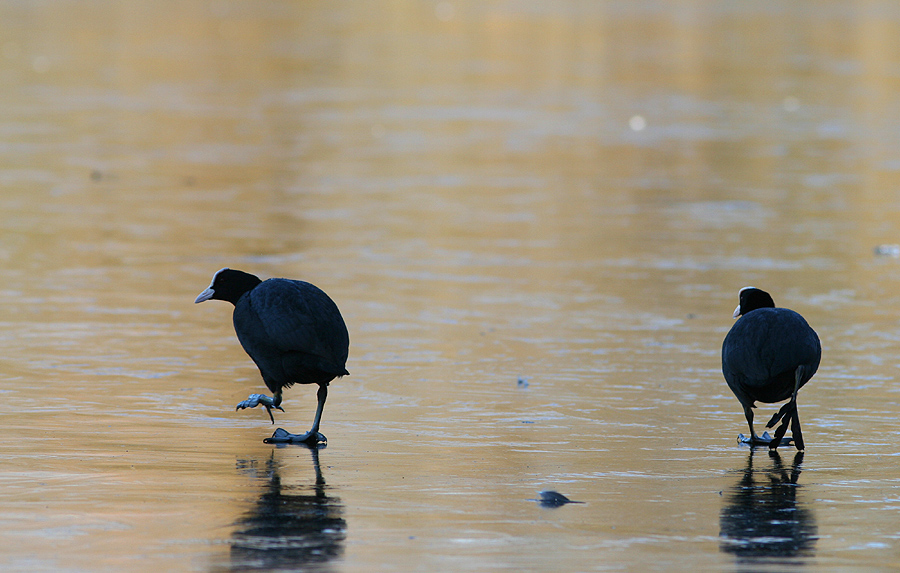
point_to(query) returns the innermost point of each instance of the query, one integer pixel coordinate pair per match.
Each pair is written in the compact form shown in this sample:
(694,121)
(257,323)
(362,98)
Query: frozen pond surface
(535,219)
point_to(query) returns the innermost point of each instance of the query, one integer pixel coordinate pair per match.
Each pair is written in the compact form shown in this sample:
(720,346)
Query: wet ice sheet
(570,195)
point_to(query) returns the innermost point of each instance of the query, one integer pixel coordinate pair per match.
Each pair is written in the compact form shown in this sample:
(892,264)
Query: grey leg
(795,416)
(310,438)
(790,417)
(321,395)
(764,440)
(748,413)
(753,440)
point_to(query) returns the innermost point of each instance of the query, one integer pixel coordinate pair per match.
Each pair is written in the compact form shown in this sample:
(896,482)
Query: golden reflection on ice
(564,193)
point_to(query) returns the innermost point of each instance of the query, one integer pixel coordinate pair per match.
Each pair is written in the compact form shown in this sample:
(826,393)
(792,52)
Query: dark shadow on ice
(291,527)
(762,521)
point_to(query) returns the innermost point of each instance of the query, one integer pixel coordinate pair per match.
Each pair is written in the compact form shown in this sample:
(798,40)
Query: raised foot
(282,436)
(764,440)
(255,400)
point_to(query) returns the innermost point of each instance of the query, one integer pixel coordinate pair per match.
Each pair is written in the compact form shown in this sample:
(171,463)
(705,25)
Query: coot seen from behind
(767,356)
(293,332)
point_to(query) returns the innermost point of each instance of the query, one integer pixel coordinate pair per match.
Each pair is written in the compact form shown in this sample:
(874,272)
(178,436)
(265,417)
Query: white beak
(737,311)
(205,295)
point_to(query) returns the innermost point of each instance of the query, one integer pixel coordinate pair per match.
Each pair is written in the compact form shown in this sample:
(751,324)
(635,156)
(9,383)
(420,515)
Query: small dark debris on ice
(552,498)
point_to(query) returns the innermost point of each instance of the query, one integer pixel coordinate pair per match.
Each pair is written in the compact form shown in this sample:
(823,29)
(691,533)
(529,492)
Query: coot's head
(228,284)
(751,299)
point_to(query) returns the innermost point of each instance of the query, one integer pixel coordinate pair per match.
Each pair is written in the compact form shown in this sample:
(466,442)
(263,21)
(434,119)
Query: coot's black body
(768,355)
(293,332)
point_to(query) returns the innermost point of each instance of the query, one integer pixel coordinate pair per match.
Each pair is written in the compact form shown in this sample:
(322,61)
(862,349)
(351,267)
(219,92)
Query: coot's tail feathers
(333,370)
(311,369)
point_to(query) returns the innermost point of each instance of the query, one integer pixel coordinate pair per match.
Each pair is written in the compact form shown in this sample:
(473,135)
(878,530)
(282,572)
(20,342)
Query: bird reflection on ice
(762,520)
(291,526)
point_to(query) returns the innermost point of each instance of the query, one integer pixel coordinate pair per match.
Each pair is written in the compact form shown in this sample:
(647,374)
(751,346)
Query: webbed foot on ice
(256,399)
(281,436)
(764,440)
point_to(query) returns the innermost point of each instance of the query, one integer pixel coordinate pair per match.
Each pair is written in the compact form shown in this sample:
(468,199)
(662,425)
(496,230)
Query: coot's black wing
(299,318)
(762,352)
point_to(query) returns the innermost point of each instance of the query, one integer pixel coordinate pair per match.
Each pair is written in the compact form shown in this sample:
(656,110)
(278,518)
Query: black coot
(293,332)
(767,356)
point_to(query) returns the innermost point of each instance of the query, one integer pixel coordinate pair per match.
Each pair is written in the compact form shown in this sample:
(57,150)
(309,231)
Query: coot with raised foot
(293,332)
(767,356)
